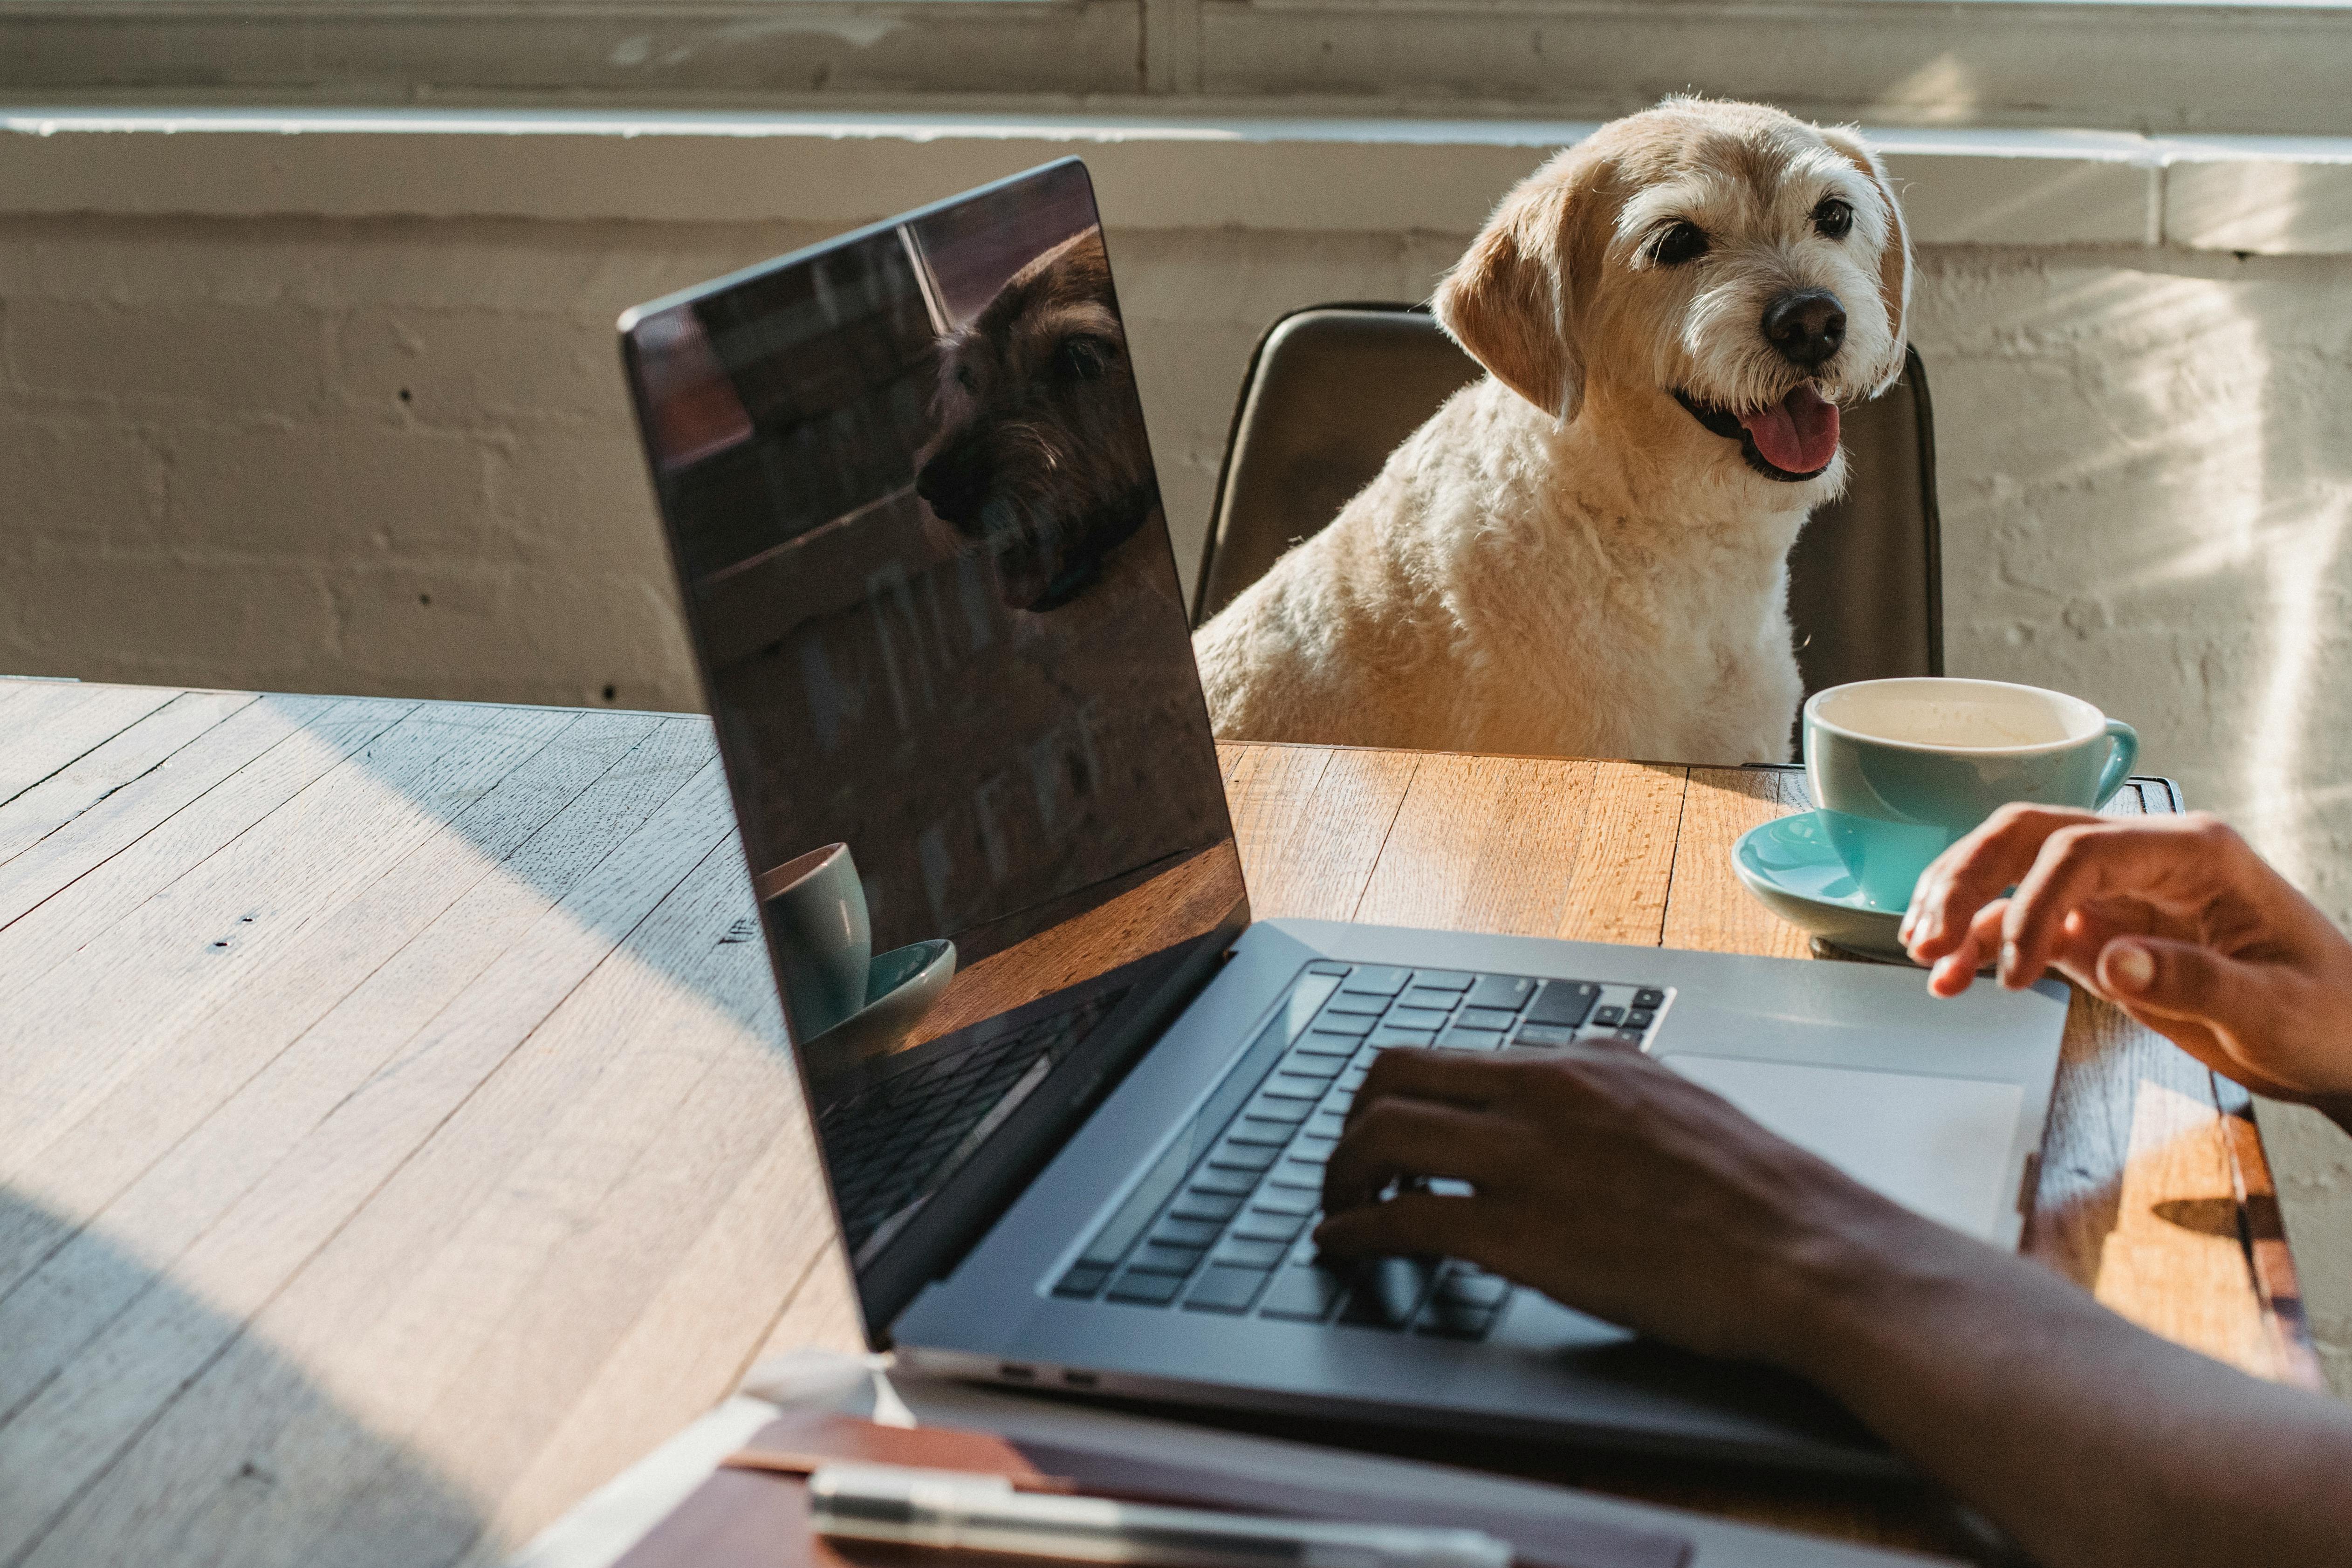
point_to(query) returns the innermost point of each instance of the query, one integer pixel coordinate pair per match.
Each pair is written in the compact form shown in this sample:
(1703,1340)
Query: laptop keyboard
(890,1144)
(1222,1222)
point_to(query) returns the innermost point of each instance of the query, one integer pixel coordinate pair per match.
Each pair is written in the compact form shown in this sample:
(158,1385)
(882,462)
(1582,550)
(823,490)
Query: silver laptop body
(1073,1119)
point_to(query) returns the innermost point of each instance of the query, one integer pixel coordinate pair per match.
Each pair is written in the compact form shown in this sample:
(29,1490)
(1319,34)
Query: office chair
(1333,388)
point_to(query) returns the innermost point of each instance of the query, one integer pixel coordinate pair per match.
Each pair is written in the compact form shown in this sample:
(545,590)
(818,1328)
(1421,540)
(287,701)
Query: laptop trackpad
(1938,1145)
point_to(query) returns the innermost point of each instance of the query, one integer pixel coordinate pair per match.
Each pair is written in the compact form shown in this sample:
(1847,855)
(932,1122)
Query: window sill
(2270,195)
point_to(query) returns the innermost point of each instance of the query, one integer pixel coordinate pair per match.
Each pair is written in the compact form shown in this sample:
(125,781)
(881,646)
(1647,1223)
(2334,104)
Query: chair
(1333,388)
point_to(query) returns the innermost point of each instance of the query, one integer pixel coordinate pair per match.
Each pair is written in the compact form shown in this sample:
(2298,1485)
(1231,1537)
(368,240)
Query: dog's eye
(1832,218)
(966,379)
(1082,358)
(1678,242)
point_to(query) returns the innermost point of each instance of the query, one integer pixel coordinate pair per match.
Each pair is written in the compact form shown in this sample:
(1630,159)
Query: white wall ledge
(2270,195)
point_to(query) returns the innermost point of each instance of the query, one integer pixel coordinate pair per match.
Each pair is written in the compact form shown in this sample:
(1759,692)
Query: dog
(1040,451)
(1584,553)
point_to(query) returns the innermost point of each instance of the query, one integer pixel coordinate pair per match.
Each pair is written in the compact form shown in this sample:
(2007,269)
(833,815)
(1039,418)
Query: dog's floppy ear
(1507,301)
(1895,262)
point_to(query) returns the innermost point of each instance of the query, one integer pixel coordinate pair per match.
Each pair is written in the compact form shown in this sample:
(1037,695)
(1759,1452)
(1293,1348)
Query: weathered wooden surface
(395,1140)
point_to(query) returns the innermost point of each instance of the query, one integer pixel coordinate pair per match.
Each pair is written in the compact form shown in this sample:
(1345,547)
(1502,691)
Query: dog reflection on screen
(1040,451)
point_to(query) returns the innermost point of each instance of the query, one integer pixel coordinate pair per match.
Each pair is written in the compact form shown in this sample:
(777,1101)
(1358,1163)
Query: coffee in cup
(1903,768)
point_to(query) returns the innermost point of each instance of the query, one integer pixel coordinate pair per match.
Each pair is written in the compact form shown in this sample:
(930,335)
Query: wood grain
(1708,911)
(397,1140)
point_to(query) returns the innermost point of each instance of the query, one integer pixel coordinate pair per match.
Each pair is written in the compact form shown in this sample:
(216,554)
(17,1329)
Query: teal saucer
(901,986)
(1793,869)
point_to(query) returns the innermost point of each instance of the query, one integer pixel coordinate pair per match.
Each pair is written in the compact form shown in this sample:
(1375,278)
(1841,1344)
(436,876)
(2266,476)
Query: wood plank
(823,1312)
(58,799)
(208,929)
(476,1350)
(684,1353)
(1625,866)
(168,1403)
(2263,1230)
(1706,908)
(90,717)
(1481,843)
(242,771)
(1310,821)
(165,1154)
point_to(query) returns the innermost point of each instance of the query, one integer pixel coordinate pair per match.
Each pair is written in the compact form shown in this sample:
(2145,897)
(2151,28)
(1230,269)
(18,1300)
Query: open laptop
(1075,1128)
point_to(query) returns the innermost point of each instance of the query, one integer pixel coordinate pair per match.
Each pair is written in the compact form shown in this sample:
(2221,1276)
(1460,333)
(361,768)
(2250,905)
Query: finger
(2182,980)
(2099,863)
(1957,970)
(1964,878)
(1398,1139)
(1453,1077)
(1410,1224)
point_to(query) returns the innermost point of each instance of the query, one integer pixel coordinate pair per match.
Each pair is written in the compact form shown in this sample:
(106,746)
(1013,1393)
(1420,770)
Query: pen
(983,1513)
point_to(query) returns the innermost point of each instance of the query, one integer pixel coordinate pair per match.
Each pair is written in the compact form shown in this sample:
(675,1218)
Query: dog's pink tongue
(1797,434)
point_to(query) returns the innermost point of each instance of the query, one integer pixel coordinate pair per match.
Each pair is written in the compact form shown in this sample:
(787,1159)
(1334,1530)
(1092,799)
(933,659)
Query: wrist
(1855,1299)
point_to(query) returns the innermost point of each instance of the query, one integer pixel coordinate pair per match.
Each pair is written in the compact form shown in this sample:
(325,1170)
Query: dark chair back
(1332,390)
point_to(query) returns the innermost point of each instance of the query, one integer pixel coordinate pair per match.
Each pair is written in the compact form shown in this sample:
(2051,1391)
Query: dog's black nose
(1807,326)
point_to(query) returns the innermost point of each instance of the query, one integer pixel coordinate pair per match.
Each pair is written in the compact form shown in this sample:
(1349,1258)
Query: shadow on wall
(138,1424)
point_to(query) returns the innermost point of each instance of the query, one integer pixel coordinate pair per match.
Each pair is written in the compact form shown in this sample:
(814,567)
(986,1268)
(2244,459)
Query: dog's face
(1040,451)
(1740,262)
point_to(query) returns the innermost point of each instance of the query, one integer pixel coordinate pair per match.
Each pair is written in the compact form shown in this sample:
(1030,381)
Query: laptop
(1073,1126)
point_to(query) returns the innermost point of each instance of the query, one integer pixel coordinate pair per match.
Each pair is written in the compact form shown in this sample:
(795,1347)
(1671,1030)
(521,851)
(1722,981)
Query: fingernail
(2009,963)
(2130,966)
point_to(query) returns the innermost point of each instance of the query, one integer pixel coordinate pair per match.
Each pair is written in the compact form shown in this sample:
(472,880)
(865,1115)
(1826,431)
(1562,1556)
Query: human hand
(2176,920)
(1618,1187)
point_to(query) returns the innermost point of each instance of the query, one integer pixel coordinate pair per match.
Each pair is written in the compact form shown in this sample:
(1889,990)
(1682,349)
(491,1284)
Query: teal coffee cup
(824,945)
(1901,769)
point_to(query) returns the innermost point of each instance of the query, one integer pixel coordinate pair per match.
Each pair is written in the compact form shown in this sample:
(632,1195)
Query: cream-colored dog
(1585,553)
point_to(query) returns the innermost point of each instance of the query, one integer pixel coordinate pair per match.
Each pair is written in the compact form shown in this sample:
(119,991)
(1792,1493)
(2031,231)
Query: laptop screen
(920,539)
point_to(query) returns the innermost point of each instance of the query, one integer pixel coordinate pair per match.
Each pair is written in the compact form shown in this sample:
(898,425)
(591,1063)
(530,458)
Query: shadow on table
(138,1423)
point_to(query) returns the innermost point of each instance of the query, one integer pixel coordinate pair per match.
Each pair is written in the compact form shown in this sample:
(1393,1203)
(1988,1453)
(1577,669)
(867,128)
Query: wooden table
(396,1139)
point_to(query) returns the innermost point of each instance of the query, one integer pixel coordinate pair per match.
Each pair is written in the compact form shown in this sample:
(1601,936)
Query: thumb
(2184,980)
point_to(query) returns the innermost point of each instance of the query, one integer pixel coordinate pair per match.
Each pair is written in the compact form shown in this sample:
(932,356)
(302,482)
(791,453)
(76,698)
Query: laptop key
(1298,1175)
(1507,991)
(1376,981)
(1305,1064)
(1564,1002)
(1232,1156)
(1486,1018)
(1271,1135)
(1609,1018)
(1225,1290)
(1388,1293)
(1323,1042)
(1649,996)
(1474,1290)
(1291,1086)
(1083,1280)
(1285,1200)
(1330,1124)
(1149,1289)
(1276,1227)
(1640,1017)
(1326,967)
(1157,1257)
(1429,996)
(1306,1295)
(1388,1035)
(1210,1206)
(1462,1038)
(1175,1232)
(1443,979)
(1356,1002)
(1246,1254)
(1329,1022)
(1542,1034)
(1232,1183)
(1285,1111)
(1426,1019)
